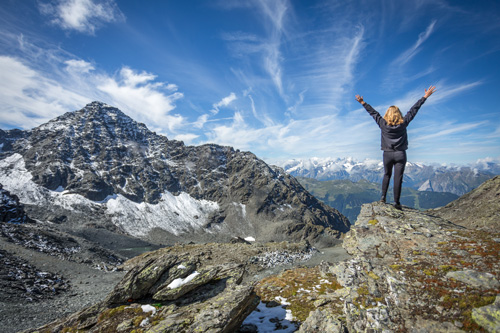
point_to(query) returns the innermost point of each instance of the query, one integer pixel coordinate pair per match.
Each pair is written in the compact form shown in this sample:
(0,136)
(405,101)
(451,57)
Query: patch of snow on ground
(274,319)
(179,282)
(148,308)
(250,239)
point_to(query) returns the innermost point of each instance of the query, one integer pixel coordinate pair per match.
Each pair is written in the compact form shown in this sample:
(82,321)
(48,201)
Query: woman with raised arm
(394,141)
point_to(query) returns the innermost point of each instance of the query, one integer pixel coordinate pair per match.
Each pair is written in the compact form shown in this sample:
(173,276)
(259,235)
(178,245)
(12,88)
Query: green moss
(373,222)
(291,285)
(373,275)
(363,290)
(447,268)
(138,320)
(395,267)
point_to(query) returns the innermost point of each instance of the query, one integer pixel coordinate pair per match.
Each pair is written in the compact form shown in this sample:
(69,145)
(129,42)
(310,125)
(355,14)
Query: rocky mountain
(479,209)
(98,168)
(452,179)
(348,197)
(408,272)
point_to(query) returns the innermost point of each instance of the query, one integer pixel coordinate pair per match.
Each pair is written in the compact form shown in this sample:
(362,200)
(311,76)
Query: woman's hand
(429,91)
(360,99)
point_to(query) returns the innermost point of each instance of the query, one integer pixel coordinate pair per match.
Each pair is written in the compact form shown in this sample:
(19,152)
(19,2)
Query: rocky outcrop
(11,210)
(411,272)
(97,167)
(186,288)
(479,208)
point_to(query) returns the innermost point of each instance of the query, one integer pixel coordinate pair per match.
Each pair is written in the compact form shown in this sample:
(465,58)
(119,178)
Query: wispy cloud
(447,130)
(85,16)
(398,73)
(272,15)
(223,103)
(408,55)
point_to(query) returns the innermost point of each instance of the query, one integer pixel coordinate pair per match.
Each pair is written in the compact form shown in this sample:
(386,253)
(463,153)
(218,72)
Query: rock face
(411,272)
(98,167)
(479,208)
(189,288)
(11,210)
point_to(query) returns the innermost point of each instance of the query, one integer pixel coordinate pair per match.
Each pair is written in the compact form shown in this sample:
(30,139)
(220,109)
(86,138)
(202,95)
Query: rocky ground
(47,273)
(214,292)
(402,271)
(410,272)
(79,285)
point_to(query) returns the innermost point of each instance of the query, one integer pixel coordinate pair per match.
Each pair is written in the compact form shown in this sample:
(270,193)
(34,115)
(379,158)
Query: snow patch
(148,308)
(250,239)
(180,282)
(176,214)
(266,319)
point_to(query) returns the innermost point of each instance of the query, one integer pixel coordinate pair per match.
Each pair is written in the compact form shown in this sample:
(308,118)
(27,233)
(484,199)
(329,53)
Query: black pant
(396,159)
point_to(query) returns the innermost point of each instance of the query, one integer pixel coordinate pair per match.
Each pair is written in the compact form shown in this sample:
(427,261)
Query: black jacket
(394,138)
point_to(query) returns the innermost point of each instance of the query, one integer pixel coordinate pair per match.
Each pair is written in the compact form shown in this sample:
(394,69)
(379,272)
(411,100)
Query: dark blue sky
(277,78)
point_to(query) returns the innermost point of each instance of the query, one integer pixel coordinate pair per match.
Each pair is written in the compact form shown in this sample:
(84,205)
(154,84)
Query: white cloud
(224,102)
(78,66)
(82,15)
(31,97)
(188,138)
(138,95)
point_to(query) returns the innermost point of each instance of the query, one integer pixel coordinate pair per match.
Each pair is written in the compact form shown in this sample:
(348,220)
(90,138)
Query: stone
(321,321)
(476,279)
(488,316)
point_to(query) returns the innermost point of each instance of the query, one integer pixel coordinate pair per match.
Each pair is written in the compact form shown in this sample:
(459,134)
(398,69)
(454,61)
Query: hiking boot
(382,200)
(398,206)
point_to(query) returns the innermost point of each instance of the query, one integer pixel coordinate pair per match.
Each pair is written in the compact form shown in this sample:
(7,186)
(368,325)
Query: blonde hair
(393,116)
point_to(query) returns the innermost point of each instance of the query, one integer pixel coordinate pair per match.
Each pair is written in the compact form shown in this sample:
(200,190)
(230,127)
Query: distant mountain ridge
(97,167)
(453,179)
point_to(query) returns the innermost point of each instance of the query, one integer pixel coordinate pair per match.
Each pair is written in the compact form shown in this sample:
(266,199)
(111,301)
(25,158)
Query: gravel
(79,286)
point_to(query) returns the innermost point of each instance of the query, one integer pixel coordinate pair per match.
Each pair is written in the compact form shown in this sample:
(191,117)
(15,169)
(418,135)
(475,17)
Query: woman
(394,141)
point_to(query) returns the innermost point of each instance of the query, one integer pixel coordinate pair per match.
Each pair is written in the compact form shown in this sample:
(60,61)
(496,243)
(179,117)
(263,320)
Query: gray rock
(319,321)
(476,279)
(488,316)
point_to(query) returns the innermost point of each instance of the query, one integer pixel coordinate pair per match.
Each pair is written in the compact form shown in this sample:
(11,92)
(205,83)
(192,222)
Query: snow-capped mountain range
(97,167)
(439,178)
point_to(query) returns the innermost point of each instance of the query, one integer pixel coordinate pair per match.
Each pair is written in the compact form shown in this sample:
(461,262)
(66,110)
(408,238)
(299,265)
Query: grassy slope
(347,196)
